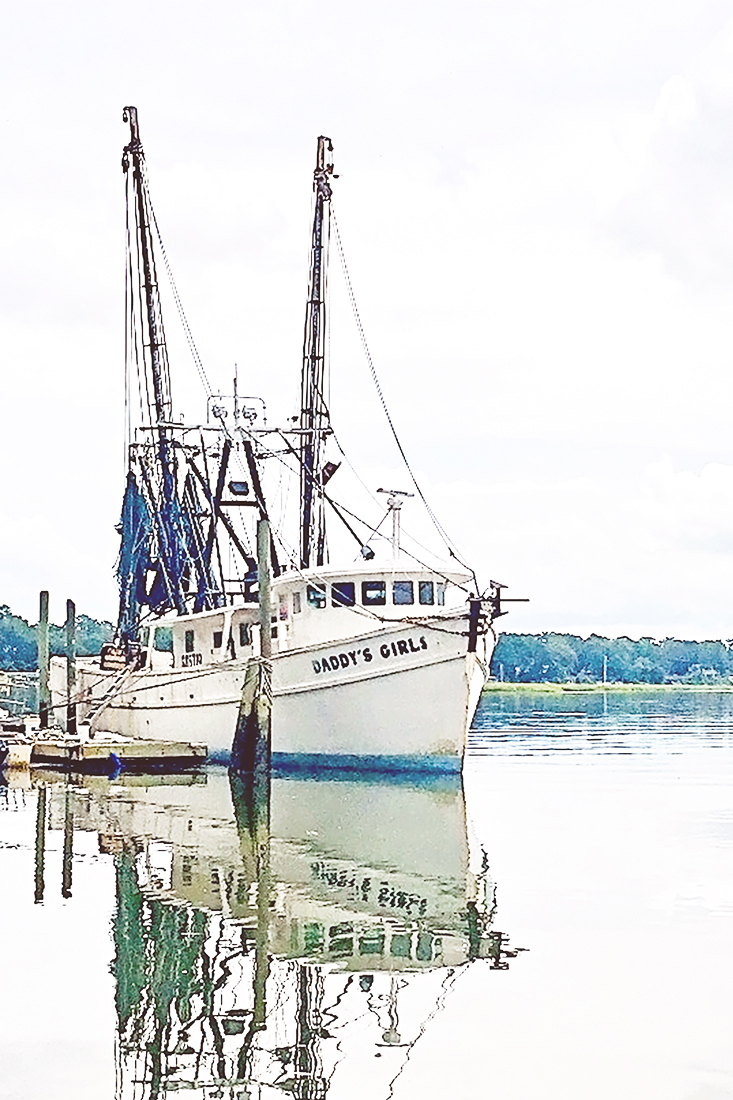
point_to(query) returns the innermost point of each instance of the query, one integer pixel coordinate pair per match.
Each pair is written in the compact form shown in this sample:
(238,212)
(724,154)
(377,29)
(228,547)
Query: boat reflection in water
(297,940)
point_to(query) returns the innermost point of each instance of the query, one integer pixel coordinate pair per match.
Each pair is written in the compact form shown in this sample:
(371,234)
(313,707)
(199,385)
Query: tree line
(518,658)
(564,658)
(19,640)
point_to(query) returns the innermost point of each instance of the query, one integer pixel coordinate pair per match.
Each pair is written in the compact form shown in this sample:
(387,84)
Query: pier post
(251,801)
(70,667)
(263,696)
(262,933)
(252,744)
(40,843)
(68,845)
(262,774)
(44,696)
(263,587)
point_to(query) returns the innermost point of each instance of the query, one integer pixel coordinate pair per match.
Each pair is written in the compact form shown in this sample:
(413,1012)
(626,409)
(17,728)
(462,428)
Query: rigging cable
(375,530)
(269,453)
(181,313)
(352,298)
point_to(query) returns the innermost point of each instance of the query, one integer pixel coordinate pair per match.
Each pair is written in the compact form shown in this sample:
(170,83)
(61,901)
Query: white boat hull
(403,696)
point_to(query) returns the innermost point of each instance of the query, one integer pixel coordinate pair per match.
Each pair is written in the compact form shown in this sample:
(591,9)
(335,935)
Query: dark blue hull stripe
(320,763)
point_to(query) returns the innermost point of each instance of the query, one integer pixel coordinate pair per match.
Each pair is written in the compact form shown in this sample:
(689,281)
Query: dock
(28,745)
(107,752)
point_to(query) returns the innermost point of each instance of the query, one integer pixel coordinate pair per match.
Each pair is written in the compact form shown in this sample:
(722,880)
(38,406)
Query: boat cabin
(307,609)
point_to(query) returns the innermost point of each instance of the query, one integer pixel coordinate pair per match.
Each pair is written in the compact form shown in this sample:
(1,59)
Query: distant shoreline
(552,688)
(566,659)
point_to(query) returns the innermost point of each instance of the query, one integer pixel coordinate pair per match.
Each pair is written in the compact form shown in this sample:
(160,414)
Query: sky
(536,204)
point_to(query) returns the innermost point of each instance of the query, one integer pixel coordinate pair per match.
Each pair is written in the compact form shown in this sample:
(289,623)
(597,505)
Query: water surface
(563,930)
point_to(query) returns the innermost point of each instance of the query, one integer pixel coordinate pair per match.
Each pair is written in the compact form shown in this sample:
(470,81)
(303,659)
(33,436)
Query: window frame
(409,589)
(366,602)
(338,598)
(316,597)
(422,587)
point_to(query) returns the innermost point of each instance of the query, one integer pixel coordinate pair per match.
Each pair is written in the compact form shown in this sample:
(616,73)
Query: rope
(181,313)
(352,298)
(372,530)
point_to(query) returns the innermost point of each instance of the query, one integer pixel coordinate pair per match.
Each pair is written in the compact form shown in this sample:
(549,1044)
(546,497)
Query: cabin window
(296,603)
(340,939)
(188,641)
(427,594)
(372,943)
(316,596)
(244,634)
(399,947)
(402,592)
(313,937)
(441,594)
(145,635)
(218,635)
(373,593)
(283,607)
(424,949)
(343,594)
(163,639)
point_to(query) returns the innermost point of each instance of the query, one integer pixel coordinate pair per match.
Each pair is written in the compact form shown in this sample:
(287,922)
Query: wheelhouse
(307,608)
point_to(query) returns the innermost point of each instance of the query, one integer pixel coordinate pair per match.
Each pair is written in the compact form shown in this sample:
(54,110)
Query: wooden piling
(264,891)
(252,744)
(252,753)
(44,695)
(40,844)
(68,844)
(251,801)
(263,588)
(70,667)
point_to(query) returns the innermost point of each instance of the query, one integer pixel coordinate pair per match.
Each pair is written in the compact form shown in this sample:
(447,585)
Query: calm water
(562,930)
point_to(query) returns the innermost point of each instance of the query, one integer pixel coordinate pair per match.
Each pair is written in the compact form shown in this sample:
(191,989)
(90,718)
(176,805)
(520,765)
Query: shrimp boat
(376,662)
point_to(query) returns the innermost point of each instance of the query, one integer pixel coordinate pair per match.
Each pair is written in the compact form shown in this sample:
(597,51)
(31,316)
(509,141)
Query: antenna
(394,504)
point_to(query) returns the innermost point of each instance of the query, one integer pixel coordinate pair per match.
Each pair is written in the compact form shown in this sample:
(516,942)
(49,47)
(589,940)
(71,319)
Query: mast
(161,530)
(156,335)
(314,414)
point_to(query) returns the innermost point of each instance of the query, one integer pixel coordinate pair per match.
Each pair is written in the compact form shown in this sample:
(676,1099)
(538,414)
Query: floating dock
(110,753)
(16,743)
(23,744)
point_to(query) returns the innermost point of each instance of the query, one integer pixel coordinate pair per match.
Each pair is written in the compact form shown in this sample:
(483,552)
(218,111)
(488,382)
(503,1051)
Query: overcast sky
(536,200)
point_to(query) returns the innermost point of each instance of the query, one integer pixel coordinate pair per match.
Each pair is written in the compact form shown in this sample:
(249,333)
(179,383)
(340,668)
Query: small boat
(378,661)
